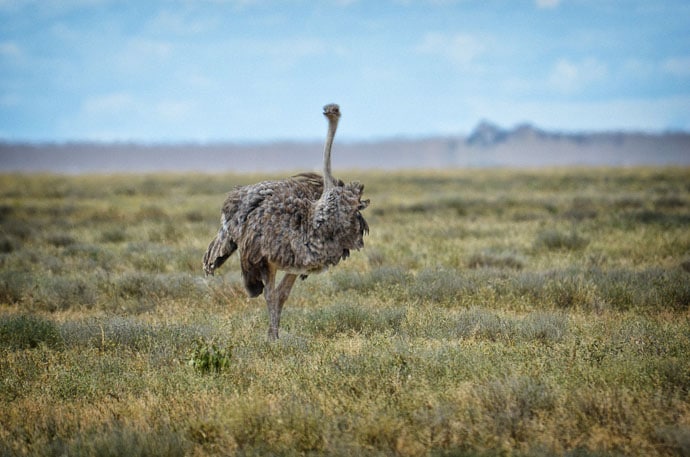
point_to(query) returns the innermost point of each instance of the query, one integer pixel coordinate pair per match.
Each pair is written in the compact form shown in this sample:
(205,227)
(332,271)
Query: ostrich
(301,225)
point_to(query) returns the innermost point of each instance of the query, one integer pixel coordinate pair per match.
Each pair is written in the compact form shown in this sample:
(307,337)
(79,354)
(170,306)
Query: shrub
(528,284)
(685,264)
(27,331)
(91,256)
(376,257)
(366,282)
(19,229)
(570,290)
(491,260)
(60,239)
(652,288)
(209,357)
(7,244)
(344,318)
(660,218)
(673,291)
(114,235)
(557,240)
(543,326)
(439,285)
(482,324)
(13,285)
(389,276)
(513,402)
(670,202)
(150,257)
(195,216)
(674,438)
(152,213)
(162,342)
(60,293)
(139,285)
(118,439)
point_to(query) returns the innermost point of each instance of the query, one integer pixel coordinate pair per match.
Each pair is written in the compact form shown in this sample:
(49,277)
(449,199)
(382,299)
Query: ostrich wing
(242,201)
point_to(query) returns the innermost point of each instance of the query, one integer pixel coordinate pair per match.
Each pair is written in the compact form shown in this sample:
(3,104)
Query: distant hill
(488,145)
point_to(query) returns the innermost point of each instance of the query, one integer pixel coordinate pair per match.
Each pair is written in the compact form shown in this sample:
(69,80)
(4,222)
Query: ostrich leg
(276,297)
(269,277)
(283,291)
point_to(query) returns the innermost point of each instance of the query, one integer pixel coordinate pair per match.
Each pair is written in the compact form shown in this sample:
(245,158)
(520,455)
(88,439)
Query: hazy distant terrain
(487,146)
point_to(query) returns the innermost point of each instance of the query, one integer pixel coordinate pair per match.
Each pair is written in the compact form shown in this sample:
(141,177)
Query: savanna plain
(491,312)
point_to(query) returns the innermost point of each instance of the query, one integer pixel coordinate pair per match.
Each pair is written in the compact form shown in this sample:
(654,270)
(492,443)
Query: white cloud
(173,110)
(461,49)
(236,4)
(123,115)
(547,3)
(109,104)
(568,76)
(140,53)
(50,7)
(282,53)
(10,100)
(124,103)
(639,68)
(300,48)
(181,22)
(345,3)
(677,66)
(429,2)
(9,49)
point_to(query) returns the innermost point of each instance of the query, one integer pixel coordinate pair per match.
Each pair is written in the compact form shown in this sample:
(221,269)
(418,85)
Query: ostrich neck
(328,181)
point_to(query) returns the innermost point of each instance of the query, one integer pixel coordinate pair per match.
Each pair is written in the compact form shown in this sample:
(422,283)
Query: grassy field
(491,312)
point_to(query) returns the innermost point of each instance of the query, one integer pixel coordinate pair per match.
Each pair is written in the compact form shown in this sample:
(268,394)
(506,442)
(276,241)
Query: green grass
(526,313)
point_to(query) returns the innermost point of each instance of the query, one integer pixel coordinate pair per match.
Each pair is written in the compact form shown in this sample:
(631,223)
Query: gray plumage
(300,225)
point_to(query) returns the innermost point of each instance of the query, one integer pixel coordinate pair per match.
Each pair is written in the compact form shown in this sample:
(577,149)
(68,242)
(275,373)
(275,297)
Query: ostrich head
(332,113)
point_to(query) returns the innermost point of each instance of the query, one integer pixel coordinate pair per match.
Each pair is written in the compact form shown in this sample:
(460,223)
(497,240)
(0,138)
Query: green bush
(117,439)
(380,277)
(514,402)
(487,259)
(443,286)
(651,288)
(7,244)
(114,235)
(544,326)
(139,285)
(209,357)
(557,240)
(55,293)
(28,331)
(345,318)
(13,285)
(482,324)
(60,240)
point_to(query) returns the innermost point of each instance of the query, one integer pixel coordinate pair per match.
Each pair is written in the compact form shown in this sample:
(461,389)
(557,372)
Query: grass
(525,313)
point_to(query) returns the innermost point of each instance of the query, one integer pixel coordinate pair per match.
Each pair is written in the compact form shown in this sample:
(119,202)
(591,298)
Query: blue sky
(260,70)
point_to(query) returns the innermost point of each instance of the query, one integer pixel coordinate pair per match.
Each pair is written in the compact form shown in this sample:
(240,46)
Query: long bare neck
(328,180)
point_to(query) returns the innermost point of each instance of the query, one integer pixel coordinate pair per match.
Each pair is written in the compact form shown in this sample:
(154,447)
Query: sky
(260,70)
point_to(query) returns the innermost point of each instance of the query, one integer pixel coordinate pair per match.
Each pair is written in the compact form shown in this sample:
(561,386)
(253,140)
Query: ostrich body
(300,225)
